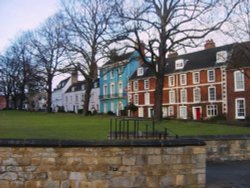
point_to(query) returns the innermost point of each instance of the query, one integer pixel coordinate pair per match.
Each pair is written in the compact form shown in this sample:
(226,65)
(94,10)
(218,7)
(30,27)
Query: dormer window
(73,88)
(140,71)
(221,56)
(179,64)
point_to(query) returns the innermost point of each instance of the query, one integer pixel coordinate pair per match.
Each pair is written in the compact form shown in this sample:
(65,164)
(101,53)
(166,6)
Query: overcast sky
(21,15)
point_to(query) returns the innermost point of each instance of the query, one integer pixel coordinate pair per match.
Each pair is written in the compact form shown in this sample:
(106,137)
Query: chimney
(209,44)
(172,54)
(74,77)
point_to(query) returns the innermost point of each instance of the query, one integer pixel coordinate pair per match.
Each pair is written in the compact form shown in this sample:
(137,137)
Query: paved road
(233,174)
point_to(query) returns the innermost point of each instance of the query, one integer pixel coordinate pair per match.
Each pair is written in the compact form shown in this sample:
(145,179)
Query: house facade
(196,86)
(58,92)
(114,76)
(73,98)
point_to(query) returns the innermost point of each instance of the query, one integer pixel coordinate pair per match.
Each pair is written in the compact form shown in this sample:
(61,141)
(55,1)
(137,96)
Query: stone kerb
(78,164)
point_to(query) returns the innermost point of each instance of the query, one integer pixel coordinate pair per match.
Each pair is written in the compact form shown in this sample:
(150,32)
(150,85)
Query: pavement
(229,174)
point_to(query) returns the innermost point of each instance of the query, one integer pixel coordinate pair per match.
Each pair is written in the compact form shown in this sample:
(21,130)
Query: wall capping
(219,137)
(100,143)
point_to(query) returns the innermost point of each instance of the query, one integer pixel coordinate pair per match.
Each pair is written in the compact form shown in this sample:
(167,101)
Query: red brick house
(196,85)
(2,102)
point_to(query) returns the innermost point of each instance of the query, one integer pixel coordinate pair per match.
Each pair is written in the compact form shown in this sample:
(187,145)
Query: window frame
(194,77)
(172,96)
(237,116)
(171,81)
(194,95)
(208,75)
(135,85)
(136,99)
(146,84)
(183,79)
(209,93)
(183,95)
(147,98)
(213,111)
(236,82)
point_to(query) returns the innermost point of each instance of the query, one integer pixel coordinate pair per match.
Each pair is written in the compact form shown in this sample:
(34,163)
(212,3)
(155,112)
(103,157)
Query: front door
(196,113)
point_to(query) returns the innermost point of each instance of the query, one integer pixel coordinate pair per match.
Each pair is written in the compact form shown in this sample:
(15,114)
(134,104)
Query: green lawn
(15,124)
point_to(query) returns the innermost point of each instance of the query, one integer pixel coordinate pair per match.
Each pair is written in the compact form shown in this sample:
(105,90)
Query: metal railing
(137,128)
(112,96)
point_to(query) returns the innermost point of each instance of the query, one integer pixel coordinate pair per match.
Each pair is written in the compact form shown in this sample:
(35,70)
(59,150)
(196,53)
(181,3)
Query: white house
(74,97)
(59,91)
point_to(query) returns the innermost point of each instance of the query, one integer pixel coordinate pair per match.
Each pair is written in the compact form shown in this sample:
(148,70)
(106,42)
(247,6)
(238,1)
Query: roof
(119,58)
(62,84)
(78,86)
(202,59)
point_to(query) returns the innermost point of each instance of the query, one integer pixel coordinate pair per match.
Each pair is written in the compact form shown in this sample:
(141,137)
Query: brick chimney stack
(172,54)
(141,47)
(74,77)
(209,44)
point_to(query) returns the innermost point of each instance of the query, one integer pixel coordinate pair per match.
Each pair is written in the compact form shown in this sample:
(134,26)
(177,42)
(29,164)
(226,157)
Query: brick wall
(128,164)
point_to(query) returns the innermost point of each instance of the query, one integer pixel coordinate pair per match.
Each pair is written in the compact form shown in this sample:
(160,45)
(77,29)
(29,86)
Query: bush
(218,118)
(110,113)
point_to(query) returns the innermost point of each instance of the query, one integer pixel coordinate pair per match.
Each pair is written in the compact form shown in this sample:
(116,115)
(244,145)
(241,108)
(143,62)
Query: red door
(198,113)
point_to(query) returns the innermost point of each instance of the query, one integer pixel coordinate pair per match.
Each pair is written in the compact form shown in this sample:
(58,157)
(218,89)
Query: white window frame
(135,85)
(146,98)
(136,99)
(237,116)
(221,56)
(112,73)
(183,95)
(171,96)
(170,111)
(171,81)
(183,79)
(238,83)
(141,112)
(212,110)
(183,112)
(195,92)
(105,89)
(104,75)
(208,75)
(140,71)
(129,86)
(146,84)
(120,87)
(209,93)
(112,89)
(196,81)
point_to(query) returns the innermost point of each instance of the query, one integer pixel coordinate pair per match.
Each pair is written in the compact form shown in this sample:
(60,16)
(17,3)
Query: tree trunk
(49,95)
(158,96)
(88,88)
(22,98)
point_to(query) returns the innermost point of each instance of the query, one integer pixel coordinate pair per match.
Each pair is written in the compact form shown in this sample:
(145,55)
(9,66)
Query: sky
(22,15)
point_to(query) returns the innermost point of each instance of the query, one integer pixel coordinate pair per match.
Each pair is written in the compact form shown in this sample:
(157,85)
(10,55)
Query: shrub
(110,113)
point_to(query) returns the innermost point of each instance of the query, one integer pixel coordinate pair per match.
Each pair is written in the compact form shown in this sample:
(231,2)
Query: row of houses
(199,85)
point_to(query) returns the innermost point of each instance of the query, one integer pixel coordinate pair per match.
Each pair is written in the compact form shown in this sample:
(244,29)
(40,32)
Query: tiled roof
(197,60)
(77,87)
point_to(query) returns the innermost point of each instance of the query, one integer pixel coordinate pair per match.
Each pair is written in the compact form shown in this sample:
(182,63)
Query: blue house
(114,76)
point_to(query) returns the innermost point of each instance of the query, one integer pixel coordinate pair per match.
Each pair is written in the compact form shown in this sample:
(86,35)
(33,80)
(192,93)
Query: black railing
(112,96)
(137,128)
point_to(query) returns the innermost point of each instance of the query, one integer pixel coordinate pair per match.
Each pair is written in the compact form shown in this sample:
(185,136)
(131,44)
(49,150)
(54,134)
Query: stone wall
(62,164)
(227,147)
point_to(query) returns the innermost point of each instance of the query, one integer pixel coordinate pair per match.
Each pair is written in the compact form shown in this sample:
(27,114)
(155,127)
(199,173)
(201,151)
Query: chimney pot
(209,44)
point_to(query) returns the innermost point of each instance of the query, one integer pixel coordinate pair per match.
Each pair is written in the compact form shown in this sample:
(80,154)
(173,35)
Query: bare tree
(48,49)
(167,26)
(90,25)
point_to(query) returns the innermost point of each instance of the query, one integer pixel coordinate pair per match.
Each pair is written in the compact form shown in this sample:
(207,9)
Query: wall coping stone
(218,137)
(100,143)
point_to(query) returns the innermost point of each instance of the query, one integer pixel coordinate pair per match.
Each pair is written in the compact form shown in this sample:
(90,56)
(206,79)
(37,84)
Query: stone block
(48,161)
(89,160)
(4,184)
(24,176)
(31,184)
(166,181)
(122,182)
(201,179)
(51,184)
(35,161)
(151,181)
(30,168)
(41,176)
(170,150)
(199,150)
(10,162)
(179,180)
(8,176)
(59,175)
(100,184)
(23,161)
(128,160)
(77,176)
(154,159)
(85,184)
(2,169)
(16,184)
(14,169)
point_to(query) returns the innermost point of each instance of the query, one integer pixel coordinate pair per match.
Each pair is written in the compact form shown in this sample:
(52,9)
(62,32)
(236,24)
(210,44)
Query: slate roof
(78,86)
(193,61)
(62,84)
(117,59)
